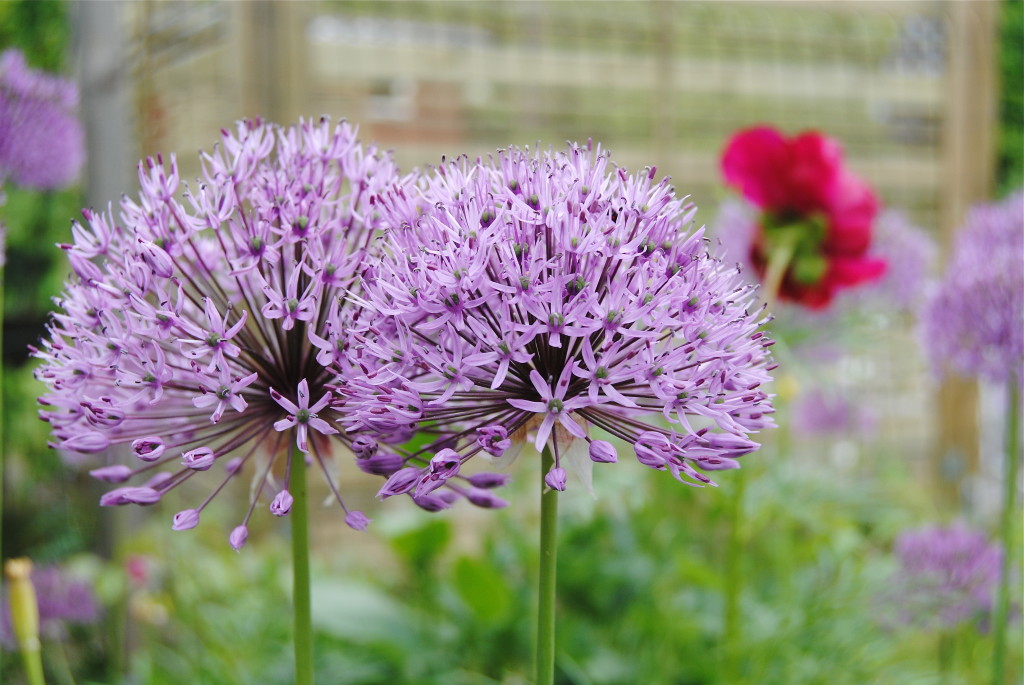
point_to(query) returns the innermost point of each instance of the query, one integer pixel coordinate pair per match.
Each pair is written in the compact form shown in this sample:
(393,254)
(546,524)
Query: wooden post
(968,150)
(274,59)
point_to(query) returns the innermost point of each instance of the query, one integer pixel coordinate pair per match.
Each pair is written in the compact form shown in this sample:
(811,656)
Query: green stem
(734,573)
(32,660)
(300,570)
(61,667)
(546,599)
(1006,529)
(778,263)
(946,645)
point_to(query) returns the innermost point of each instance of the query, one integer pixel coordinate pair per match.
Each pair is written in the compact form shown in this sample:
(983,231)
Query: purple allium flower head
(974,321)
(819,413)
(946,576)
(910,254)
(62,600)
(42,144)
(196,326)
(552,294)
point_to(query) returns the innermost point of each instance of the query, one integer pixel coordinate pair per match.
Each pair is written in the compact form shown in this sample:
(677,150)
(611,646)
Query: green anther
(648,297)
(555,406)
(303,416)
(692,302)
(256,242)
(702,335)
(159,242)
(213,339)
(330,269)
(601,373)
(683,396)
(556,319)
(302,222)
(513,185)
(534,201)
(149,378)
(504,348)
(293,304)
(307,187)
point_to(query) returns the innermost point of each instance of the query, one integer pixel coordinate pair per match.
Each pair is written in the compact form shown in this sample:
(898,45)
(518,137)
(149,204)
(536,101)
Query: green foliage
(1011,105)
(39,28)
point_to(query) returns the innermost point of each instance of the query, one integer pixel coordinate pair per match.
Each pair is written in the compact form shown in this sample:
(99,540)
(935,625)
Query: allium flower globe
(550,294)
(811,206)
(946,576)
(42,144)
(195,331)
(974,321)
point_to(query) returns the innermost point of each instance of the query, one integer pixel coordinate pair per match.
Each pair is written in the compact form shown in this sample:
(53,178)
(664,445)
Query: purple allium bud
(118,473)
(356,520)
(186,520)
(444,464)
(485,499)
(189,309)
(148,449)
(363,446)
(494,439)
(380,464)
(487,481)
(400,482)
(603,452)
(431,502)
(282,504)
(238,537)
(974,321)
(560,296)
(199,459)
(87,443)
(555,479)
(42,144)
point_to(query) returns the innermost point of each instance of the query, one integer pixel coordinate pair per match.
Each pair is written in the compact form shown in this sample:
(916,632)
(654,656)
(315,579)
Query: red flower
(811,204)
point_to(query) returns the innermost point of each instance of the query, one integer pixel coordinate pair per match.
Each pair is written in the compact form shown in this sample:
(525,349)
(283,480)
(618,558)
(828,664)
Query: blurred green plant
(1010,170)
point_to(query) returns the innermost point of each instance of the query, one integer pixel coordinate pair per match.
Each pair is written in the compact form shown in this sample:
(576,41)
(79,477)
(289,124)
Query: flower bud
(118,473)
(400,482)
(184,520)
(282,504)
(199,459)
(488,480)
(356,520)
(555,479)
(603,452)
(238,537)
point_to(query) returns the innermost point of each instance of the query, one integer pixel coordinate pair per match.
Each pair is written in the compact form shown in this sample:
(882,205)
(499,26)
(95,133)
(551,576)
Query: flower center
(555,406)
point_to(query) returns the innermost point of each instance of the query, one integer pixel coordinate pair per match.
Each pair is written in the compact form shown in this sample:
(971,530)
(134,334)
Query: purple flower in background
(194,332)
(819,413)
(549,296)
(946,576)
(910,253)
(974,321)
(62,600)
(42,144)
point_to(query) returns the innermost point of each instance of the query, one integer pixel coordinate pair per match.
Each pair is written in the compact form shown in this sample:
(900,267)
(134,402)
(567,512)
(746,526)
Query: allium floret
(196,324)
(550,294)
